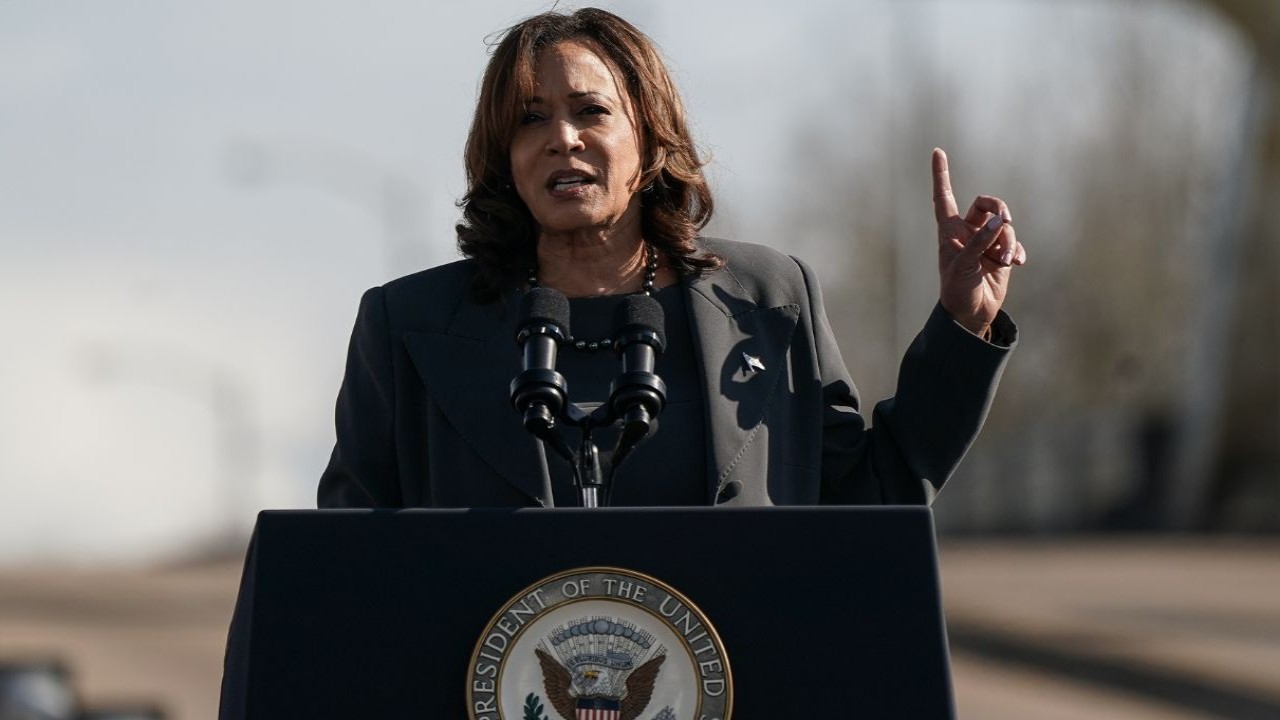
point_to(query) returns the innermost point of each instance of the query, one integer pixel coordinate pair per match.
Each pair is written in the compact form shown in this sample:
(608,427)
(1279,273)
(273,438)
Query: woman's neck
(590,263)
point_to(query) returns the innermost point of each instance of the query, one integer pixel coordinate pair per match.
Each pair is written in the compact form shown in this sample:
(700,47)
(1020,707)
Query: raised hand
(976,253)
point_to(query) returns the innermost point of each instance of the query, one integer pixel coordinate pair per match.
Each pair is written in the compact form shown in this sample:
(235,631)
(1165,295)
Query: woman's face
(575,157)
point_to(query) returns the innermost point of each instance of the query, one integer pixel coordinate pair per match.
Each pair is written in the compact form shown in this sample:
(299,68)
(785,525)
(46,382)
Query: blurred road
(1099,628)
(1114,627)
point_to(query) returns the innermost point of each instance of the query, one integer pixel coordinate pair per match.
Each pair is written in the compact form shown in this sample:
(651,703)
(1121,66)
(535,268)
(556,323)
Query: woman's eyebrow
(575,95)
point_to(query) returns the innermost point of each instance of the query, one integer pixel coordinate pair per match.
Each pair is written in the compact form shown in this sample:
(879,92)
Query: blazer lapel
(467,371)
(742,351)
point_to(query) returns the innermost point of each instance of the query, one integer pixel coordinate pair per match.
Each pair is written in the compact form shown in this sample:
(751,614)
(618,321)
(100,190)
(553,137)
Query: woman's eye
(594,110)
(529,118)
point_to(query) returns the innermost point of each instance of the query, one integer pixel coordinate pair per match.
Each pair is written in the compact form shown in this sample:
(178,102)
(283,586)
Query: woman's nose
(565,138)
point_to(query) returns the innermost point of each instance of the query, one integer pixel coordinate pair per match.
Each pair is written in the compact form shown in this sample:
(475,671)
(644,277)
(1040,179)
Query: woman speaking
(582,178)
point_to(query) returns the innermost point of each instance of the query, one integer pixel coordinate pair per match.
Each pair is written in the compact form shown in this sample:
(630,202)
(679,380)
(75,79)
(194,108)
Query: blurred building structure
(1237,485)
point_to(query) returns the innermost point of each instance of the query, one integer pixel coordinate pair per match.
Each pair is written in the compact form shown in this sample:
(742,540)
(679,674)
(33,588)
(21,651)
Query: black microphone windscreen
(544,305)
(642,311)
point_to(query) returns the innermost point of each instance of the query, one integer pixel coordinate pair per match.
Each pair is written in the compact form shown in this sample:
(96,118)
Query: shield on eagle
(599,668)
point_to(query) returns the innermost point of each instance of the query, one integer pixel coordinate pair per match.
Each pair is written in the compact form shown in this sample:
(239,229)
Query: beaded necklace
(646,288)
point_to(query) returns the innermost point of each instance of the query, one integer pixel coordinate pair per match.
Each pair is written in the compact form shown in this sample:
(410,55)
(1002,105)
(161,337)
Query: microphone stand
(585,463)
(588,476)
(594,484)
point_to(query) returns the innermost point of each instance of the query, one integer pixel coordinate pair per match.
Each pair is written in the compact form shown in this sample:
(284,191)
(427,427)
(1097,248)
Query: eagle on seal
(578,696)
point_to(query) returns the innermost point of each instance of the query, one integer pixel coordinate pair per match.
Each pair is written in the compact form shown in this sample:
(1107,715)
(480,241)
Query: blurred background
(180,183)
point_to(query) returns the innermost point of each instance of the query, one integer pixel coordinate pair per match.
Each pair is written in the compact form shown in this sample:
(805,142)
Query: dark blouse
(668,468)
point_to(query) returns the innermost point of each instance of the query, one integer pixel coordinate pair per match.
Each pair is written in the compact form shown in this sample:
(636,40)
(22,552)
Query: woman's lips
(568,186)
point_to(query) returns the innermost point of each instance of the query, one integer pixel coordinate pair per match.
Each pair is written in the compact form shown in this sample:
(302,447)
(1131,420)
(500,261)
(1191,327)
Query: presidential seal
(599,643)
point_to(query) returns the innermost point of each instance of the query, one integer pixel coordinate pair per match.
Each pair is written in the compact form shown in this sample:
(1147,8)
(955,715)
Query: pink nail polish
(1007,258)
(994,222)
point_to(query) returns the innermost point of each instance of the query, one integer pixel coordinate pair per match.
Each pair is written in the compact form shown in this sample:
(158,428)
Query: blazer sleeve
(362,470)
(946,382)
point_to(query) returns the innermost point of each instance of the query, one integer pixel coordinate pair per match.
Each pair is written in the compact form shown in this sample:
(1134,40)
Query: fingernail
(1008,216)
(994,222)
(1007,257)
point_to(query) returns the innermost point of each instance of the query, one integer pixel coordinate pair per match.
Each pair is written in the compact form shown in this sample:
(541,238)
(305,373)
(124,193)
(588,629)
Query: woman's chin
(575,223)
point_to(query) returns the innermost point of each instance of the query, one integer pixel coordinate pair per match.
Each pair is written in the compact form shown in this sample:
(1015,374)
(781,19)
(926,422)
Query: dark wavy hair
(497,230)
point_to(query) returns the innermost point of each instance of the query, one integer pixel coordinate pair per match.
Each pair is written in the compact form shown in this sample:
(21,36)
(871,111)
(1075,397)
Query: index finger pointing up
(944,202)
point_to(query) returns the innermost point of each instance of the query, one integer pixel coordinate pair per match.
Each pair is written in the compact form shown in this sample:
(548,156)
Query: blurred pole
(392,197)
(897,143)
(916,125)
(1230,441)
(1206,394)
(237,438)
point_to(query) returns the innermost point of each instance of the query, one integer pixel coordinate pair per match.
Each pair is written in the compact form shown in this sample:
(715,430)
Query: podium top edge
(792,509)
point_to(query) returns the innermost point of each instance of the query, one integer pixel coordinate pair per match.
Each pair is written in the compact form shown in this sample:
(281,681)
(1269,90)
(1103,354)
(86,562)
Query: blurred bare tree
(1118,168)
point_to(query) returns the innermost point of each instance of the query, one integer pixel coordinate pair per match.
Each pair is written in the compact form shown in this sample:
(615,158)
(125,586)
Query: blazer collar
(468,368)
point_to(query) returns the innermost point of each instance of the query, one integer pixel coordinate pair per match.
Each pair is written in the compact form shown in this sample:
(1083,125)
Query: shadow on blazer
(424,419)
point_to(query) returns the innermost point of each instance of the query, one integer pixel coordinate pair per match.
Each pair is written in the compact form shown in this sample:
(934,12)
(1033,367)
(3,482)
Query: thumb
(984,238)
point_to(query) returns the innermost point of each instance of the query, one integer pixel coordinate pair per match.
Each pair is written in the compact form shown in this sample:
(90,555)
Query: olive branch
(533,708)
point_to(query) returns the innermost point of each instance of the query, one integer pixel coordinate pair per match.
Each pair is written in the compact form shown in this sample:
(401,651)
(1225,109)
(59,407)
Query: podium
(821,611)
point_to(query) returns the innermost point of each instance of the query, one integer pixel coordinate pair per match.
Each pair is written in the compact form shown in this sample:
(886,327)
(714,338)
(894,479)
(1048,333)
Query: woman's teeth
(568,182)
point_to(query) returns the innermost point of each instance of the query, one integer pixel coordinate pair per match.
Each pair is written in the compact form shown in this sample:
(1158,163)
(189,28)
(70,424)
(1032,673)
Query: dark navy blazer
(424,420)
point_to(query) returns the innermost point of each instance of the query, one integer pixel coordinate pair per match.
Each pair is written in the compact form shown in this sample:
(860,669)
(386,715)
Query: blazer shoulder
(772,277)
(428,299)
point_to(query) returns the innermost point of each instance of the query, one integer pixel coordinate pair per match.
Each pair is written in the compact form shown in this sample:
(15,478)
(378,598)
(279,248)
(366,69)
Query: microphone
(638,395)
(538,392)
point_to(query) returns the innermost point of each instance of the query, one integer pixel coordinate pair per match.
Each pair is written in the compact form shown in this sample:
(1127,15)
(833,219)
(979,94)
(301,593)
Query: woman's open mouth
(568,183)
